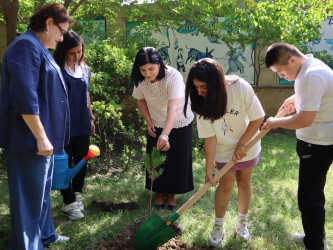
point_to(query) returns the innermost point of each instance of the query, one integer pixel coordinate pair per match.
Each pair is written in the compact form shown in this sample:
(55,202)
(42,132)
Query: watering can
(62,175)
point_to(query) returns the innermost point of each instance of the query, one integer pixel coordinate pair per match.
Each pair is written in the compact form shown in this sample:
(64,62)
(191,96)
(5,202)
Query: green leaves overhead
(257,21)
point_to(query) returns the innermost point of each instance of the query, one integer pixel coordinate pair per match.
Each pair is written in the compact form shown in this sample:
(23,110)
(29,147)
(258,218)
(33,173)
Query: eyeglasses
(62,31)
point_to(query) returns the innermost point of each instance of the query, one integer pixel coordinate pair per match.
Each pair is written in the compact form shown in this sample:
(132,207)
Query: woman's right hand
(210,177)
(44,147)
(151,129)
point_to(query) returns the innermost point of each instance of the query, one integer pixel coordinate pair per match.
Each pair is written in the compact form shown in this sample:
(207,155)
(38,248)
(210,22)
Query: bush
(119,136)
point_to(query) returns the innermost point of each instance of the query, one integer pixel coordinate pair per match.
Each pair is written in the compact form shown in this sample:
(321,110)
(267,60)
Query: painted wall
(181,47)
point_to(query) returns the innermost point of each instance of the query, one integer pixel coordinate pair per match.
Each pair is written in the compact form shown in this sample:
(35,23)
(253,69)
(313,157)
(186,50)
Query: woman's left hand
(93,127)
(163,143)
(239,153)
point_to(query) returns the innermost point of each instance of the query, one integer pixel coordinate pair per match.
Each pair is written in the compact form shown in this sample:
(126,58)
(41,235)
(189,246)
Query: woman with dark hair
(34,106)
(228,116)
(70,57)
(159,90)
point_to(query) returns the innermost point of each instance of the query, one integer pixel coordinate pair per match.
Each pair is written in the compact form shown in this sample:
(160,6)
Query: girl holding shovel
(228,116)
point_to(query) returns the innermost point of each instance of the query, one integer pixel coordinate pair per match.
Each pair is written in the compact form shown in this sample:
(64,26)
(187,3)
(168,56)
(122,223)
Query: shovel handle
(226,168)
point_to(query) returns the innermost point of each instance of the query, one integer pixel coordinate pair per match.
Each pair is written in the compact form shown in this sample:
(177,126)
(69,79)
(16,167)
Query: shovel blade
(153,233)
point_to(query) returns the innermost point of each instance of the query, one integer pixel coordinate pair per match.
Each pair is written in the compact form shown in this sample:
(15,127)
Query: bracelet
(242,145)
(166,136)
(92,117)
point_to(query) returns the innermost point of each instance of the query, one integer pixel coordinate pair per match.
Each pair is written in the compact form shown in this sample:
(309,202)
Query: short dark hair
(144,56)
(71,40)
(213,105)
(279,53)
(56,11)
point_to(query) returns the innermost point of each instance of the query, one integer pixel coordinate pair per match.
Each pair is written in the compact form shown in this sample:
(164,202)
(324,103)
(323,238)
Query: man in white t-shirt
(313,121)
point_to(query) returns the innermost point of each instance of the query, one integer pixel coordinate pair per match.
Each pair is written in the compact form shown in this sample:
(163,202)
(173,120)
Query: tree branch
(67,3)
(76,7)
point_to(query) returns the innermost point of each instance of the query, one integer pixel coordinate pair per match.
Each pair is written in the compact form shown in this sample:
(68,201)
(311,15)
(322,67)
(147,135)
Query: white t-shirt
(314,92)
(243,106)
(158,94)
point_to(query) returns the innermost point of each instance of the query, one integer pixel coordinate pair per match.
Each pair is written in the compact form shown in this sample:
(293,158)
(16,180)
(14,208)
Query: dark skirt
(177,177)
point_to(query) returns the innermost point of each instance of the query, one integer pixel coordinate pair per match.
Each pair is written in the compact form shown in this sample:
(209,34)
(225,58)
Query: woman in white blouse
(160,93)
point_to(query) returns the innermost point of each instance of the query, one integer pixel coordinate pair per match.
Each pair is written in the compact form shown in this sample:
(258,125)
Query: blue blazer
(32,83)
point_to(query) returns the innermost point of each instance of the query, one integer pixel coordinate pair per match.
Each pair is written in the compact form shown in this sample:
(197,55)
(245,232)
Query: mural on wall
(326,42)
(182,47)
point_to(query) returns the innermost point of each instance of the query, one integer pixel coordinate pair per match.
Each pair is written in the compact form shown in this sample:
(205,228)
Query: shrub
(119,136)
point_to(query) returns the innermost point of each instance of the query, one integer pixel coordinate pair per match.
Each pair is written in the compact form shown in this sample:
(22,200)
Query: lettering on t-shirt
(232,112)
(226,126)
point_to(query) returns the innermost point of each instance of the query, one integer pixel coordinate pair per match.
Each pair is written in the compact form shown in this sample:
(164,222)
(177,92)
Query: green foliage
(111,69)
(119,133)
(2,158)
(152,162)
(142,37)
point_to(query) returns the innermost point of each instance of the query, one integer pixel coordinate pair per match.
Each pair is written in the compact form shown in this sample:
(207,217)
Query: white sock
(243,216)
(219,220)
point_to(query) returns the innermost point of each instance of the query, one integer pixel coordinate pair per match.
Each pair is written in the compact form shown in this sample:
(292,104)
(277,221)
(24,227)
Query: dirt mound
(109,206)
(126,240)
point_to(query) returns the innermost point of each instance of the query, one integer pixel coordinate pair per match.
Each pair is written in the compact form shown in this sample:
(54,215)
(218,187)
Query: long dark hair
(213,105)
(71,40)
(144,56)
(56,11)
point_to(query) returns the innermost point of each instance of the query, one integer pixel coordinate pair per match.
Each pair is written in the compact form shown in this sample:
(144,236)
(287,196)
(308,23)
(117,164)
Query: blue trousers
(315,161)
(30,181)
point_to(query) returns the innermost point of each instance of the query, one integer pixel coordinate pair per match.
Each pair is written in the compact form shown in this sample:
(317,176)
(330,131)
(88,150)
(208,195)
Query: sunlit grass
(274,215)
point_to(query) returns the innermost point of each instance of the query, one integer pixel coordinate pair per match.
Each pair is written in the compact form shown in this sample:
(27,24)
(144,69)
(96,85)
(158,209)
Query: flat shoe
(159,207)
(172,207)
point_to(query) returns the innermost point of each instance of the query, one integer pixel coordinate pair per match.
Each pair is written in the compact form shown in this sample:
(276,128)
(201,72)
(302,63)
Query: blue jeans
(30,181)
(315,161)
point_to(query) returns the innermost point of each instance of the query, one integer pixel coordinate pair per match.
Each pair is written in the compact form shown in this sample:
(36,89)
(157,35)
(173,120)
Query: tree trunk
(10,12)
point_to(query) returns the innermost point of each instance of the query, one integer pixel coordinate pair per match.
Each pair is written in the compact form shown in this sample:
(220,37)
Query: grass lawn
(274,216)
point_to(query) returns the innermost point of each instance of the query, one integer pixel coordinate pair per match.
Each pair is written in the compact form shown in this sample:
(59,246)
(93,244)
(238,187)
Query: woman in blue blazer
(35,114)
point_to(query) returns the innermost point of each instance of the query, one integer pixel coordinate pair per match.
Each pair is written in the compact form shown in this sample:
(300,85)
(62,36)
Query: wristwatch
(92,117)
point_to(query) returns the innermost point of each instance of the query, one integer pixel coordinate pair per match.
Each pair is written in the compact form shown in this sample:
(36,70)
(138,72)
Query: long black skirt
(177,177)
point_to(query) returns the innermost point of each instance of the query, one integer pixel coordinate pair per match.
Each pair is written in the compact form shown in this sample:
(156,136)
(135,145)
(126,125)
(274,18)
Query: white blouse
(158,94)
(78,71)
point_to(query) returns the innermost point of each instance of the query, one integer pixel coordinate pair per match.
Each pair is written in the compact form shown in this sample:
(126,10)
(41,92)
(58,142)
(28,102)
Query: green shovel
(155,231)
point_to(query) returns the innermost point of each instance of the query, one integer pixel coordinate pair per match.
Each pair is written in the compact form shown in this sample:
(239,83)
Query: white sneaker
(218,233)
(72,211)
(78,200)
(299,238)
(61,239)
(242,229)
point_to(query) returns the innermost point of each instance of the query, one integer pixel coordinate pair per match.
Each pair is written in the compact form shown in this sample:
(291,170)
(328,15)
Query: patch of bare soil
(109,206)
(126,240)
